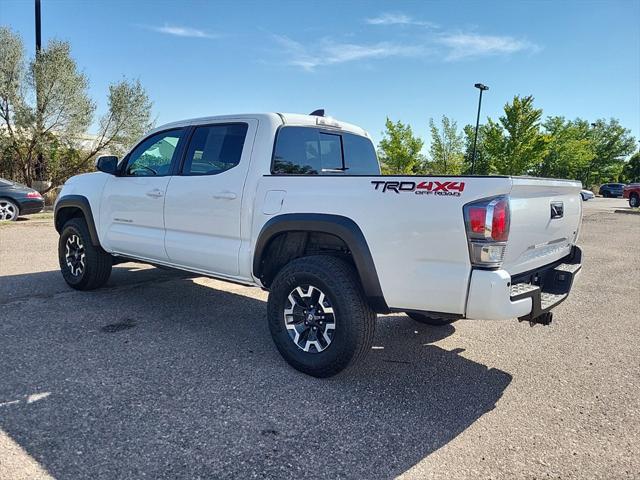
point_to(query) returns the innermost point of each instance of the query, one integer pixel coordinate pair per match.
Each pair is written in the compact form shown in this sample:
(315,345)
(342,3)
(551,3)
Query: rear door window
(214,149)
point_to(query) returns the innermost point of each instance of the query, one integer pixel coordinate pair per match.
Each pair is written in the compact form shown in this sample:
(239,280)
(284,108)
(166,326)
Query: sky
(360,61)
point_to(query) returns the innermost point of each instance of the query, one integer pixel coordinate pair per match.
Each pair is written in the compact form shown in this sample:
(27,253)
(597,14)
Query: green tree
(447,148)
(631,170)
(399,150)
(55,126)
(482,163)
(612,143)
(569,149)
(515,144)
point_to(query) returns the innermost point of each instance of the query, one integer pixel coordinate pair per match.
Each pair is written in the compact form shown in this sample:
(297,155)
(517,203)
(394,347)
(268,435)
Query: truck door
(203,201)
(132,207)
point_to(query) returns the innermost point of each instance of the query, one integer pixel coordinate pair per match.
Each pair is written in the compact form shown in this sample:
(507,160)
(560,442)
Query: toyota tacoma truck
(295,204)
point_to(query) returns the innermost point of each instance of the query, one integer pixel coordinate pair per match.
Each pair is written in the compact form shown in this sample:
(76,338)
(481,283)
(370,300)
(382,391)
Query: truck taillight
(487,223)
(500,221)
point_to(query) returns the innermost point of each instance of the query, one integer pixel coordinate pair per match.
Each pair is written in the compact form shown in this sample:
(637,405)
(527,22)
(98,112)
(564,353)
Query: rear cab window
(314,151)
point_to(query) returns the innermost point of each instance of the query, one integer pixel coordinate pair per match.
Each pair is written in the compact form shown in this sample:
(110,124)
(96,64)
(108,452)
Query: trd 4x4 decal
(431,187)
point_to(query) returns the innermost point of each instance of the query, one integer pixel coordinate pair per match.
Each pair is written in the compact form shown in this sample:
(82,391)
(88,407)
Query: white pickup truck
(296,204)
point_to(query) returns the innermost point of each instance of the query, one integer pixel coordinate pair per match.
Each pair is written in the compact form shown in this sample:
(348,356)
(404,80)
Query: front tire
(429,320)
(84,266)
(318,315)
(634,201)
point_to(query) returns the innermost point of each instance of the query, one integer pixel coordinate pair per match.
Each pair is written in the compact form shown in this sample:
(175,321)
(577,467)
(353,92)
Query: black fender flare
(79,202)
(339,226)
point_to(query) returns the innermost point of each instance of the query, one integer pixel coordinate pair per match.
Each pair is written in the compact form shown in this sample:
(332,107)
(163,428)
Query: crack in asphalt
(103,290)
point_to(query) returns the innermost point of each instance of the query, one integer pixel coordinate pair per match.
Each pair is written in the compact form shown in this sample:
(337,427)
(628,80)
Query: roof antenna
(318,113)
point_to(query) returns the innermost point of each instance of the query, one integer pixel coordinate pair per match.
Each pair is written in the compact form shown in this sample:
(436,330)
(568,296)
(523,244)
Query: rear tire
(9,210)
(84,266)
(634,200)
(429,320)
(319,318)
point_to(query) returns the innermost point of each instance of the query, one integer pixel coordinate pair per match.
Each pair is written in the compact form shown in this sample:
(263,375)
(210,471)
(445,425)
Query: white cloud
(180,31)
(448,46)
(329,52)
(398,19)
(465,45)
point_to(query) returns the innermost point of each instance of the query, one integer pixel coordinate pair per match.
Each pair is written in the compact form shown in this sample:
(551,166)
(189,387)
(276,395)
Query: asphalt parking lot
(160,375)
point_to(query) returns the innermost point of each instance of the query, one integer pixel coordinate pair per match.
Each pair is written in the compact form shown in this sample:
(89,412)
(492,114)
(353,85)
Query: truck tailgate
(545,222)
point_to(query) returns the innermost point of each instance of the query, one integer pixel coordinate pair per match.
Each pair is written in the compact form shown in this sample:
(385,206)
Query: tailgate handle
(557,210)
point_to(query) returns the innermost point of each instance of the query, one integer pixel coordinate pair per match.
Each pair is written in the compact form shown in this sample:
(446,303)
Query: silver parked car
(586,195)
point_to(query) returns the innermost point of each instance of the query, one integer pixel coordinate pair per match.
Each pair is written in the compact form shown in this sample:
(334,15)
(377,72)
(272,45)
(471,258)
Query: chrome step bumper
(547,287)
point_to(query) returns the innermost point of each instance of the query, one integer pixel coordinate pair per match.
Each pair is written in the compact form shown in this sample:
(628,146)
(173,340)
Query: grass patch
(39,216)
(25,220)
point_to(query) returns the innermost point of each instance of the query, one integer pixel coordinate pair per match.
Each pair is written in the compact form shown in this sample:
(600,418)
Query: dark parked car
(17,199)
(611,189)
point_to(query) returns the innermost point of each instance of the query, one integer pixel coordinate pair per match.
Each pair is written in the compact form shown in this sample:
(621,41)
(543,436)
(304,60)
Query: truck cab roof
(294,119)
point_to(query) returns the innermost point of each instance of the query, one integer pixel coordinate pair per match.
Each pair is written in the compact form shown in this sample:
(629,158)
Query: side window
(359,155)
(214,149)
(153,156)
(307,151)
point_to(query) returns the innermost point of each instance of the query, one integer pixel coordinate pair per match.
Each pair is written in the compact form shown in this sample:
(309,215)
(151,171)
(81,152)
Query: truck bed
(415,228)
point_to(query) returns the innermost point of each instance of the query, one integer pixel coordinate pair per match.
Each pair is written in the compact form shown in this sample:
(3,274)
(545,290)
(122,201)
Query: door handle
(155,193)
(225,195)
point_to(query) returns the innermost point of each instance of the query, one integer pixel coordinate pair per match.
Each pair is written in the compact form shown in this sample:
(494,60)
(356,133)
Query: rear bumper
(495,295)
(30,206)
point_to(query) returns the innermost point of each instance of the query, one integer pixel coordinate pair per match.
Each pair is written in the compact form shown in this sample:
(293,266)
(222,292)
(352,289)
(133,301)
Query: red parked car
(632,192)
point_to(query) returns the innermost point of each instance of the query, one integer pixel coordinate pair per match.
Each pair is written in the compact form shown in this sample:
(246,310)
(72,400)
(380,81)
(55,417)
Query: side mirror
(107,164)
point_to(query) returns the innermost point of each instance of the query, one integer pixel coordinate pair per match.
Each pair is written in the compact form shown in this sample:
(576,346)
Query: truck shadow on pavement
(172,379)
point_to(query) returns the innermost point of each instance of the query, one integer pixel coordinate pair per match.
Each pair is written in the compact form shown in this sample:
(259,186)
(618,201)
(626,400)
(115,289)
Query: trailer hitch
(544,319)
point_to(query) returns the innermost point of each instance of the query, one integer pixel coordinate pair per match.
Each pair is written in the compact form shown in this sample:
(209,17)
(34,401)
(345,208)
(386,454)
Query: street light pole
(39,162)
(38,30)
(482,88)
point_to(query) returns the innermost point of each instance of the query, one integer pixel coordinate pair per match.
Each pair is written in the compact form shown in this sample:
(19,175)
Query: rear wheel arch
(7,197)
(289,236)
(75,206)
